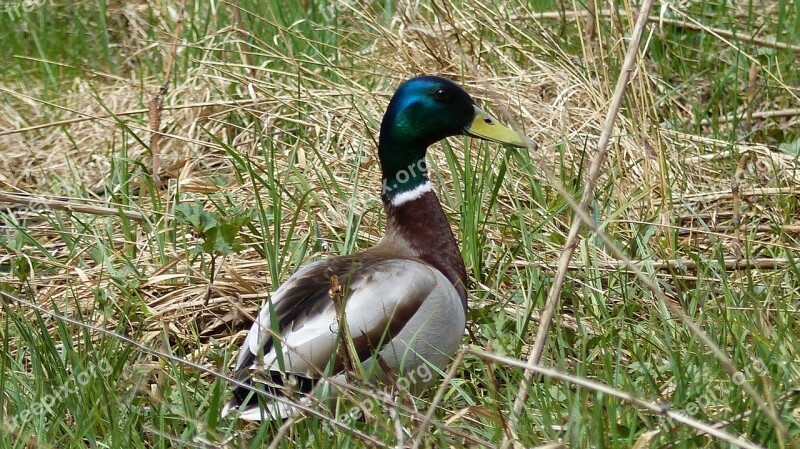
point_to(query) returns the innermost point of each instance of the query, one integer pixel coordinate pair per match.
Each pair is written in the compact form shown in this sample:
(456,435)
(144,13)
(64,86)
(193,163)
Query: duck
(402,302)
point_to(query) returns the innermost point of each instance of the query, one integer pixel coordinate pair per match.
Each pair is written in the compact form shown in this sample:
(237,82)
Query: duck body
(404,299)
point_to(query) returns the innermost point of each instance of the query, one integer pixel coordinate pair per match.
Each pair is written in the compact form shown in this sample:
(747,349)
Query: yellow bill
(487,127)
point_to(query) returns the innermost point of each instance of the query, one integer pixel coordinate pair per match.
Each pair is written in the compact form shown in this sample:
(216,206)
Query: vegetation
(132,262)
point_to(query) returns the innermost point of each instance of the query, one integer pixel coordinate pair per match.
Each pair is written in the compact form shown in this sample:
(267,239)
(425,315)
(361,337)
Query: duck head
(423,111)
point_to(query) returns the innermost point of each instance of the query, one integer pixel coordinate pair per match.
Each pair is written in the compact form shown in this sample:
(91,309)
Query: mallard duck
(404,299)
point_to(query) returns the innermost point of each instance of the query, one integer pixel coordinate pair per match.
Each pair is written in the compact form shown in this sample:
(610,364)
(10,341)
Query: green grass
(302,162)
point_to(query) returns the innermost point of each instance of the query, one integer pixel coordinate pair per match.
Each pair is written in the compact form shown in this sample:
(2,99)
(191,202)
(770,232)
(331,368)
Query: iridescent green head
(423,111)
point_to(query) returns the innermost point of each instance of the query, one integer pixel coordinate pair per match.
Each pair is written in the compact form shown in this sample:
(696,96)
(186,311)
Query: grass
(146,367)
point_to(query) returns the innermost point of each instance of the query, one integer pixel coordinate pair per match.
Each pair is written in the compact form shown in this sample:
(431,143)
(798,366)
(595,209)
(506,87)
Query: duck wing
(401,308)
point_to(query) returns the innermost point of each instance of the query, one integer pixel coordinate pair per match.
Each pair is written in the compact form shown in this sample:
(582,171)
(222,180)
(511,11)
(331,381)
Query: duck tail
(273,411)
(245,405)
(249,403)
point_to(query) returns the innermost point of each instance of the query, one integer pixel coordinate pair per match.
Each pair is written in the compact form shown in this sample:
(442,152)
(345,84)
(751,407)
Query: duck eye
(442,94)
